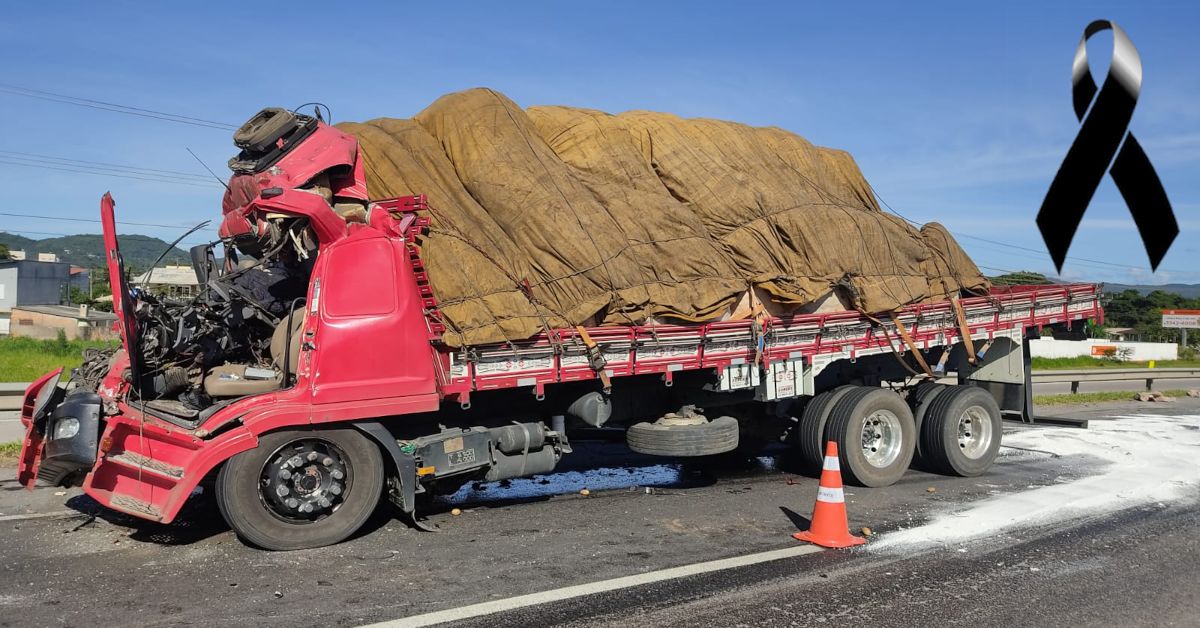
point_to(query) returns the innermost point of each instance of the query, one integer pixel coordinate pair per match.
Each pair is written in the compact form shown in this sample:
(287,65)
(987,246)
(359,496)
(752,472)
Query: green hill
(87,250)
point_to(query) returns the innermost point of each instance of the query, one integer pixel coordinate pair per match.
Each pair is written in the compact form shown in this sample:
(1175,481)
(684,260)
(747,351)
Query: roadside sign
(1186,319)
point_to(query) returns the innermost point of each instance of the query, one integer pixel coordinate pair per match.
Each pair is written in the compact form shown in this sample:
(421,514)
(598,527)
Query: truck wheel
(961,432)
(702,439)
(301,488)
(812,425)
(920,401)
(874,430)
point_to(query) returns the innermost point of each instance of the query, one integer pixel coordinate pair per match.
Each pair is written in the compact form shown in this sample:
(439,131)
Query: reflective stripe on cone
(830,527)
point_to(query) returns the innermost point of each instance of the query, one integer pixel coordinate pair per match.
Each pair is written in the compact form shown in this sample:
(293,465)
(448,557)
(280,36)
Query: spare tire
(704,439)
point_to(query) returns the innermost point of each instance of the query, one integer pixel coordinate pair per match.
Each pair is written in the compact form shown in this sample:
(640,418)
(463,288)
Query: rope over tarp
(642,217)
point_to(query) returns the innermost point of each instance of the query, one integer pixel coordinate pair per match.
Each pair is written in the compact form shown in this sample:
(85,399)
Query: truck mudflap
(35,407)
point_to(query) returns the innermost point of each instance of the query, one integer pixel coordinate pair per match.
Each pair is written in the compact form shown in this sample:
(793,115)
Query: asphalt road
(1119,559)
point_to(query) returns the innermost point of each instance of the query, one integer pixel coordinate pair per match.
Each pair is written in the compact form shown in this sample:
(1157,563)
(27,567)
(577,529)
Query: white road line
(44,515)
(566,593)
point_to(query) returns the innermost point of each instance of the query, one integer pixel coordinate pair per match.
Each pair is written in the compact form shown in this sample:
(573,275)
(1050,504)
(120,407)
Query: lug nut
(324,502)
(281,490)
(306,507)
(312,455)
(327,461)
(292,502)
(337,474)
(295,461)
(336,489)
(285,474)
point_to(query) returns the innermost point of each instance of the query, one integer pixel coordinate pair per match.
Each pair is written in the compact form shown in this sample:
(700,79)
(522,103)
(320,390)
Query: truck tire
(301,488)
(707,439)
(961,432)
(920,401)
(812,425)
(874,431)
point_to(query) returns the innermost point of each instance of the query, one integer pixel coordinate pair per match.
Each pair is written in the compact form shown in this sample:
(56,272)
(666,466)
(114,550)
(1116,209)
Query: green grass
(26,359)
(10,451)
(1094,397)
(1088,362)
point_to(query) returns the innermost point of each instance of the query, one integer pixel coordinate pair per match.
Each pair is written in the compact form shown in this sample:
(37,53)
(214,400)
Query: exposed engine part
(594,409)
(229,324)
(170,381)
(96,364)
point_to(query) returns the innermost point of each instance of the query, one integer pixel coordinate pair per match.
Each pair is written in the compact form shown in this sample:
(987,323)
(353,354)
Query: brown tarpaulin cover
(618,219)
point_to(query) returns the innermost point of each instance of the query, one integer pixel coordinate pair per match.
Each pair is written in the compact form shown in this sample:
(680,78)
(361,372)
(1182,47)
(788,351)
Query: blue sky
(959,115)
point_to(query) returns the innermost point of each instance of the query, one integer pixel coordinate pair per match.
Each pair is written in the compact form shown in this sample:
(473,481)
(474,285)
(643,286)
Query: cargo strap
(964,330)
(912,346)
(595,358)
(758,326)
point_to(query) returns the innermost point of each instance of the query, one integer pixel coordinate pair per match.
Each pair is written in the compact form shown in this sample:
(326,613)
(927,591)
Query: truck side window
(360,279)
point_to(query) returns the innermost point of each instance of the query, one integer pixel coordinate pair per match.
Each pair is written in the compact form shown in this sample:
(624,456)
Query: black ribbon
(1100,137)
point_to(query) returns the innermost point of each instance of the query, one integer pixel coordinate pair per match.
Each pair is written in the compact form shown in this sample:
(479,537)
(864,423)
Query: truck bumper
(38,395)
(60,434)
(71,439)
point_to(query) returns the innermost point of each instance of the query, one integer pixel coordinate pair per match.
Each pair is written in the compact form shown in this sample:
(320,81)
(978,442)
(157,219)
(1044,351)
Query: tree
(1143,313)
(4,254)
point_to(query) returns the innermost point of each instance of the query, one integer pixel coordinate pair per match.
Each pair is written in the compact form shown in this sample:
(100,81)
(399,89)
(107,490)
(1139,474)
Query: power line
(96,220)
(82,170)
(27,92)
(100,164)
(34,162)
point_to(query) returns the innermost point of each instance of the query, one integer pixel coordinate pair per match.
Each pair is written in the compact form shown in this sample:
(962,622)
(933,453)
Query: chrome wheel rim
(882,438)
(305,480)
(974,432)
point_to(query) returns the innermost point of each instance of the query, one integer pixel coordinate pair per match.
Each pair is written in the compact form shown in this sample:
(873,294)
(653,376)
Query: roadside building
(169,281)
(1122,334)
(75,321)
(30,282)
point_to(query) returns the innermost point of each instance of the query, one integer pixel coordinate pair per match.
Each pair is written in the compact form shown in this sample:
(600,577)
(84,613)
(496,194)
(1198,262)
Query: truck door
(370,340)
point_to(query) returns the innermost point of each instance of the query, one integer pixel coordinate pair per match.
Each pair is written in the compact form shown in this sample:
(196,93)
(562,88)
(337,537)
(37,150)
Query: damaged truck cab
(143,426)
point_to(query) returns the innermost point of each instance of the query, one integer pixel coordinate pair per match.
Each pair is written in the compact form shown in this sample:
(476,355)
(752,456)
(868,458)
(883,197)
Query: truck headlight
(66,427)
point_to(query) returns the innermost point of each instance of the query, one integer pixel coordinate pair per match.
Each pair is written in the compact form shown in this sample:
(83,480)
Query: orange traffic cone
(829,527)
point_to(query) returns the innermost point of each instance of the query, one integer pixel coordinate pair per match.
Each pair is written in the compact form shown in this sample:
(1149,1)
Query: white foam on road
(1151,458)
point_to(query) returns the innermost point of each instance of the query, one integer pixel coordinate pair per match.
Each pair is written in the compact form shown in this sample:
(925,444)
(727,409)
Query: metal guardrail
(10,393)
(1076,376)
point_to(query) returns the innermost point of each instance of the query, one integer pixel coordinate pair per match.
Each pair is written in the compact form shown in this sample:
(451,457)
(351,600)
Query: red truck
(308,380)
